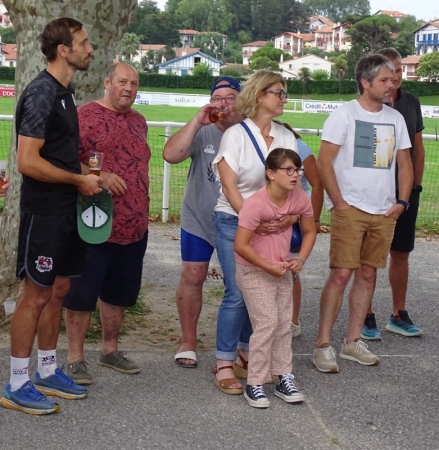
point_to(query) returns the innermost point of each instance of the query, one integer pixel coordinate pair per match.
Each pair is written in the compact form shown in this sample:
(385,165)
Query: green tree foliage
(210,43)
(235,71)
(304,76)
(202,69)
(373,33)
(263,62)
(319,75)
(204,15)
(340,68)
(8,35)
(429,66)
(154,26)
(233,52)
(405,41)
(337,10)
(268,51)
(128,46)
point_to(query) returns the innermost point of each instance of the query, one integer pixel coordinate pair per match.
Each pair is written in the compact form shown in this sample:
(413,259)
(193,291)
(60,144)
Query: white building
(187,37)
(291,67)
(318,22)
(409,66)
(9,55)
(249,49)
(427,38)
(293,43)
(396,14)
(184,65)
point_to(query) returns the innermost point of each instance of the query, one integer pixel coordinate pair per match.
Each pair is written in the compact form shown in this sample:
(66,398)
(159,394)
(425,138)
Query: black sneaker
(287,390)
(256,397)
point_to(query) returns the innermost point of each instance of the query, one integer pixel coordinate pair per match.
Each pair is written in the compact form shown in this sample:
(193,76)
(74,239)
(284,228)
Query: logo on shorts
(44,264)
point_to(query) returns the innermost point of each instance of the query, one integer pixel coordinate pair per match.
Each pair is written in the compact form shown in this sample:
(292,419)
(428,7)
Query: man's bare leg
(189,299)
(360,298)
(111,320)
(26,316)
(330,302)
(77,324)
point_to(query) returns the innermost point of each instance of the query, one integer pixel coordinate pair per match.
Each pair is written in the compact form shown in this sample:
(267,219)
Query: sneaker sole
(296,398)
(9,404)
(334,369)
(397,330)
(81,381)
(260,404)
(371,338)
(118,369)
(352,358)
(57,393)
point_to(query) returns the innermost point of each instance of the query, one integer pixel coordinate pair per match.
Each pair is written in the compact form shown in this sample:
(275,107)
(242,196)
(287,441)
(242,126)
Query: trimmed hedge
(147,79)
(7,73)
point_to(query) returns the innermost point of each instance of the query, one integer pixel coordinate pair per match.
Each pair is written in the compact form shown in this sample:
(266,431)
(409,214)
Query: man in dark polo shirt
(50,251)
(404,238)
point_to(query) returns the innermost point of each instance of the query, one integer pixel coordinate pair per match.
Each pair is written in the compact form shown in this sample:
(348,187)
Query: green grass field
(429,210)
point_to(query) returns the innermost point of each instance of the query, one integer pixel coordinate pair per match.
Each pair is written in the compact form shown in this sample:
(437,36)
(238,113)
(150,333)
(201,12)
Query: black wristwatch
(403,203)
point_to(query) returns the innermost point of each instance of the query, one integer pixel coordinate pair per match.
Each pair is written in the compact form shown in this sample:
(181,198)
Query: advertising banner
(7,91)
(316,106)
(162,98)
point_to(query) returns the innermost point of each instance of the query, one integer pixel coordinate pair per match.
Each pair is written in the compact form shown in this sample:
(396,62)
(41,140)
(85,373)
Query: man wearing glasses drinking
(199,140)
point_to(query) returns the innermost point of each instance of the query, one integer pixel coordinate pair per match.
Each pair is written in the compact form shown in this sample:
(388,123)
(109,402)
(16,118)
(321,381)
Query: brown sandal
(241,371)
(224,385)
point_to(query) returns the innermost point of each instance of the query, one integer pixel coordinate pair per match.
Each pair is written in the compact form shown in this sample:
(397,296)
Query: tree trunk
(105,21)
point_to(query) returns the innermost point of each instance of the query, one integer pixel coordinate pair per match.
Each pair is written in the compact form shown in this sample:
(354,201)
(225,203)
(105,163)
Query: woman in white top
(242,172)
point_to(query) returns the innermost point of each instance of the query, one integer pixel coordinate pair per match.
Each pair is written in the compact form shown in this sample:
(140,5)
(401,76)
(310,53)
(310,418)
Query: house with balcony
(184,65)
(187,37)
(291,67)
(249,49)
(409,66)
(427,38)
(395,14)
(293,43)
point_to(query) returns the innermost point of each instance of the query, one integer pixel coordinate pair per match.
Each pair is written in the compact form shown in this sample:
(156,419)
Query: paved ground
(392,406)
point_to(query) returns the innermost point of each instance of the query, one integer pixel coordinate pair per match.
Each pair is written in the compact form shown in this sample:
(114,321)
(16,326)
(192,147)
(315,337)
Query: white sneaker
(324,359)
(358,352)
(296,330)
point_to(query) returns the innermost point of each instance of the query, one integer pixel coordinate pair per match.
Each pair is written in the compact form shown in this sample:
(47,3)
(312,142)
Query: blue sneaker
(59,385)
(402,324)
(28,400)
(370,330)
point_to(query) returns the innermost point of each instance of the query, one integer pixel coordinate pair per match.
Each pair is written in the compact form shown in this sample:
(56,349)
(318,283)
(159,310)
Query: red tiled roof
(10,51)
(391,13)
(255,44)
(411,59)
(151,47)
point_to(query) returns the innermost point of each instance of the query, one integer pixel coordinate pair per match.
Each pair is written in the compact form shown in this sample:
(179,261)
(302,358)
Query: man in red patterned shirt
(113,270)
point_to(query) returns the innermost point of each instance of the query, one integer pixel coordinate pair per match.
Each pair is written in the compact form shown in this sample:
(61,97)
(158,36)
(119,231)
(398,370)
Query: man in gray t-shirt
(199,139)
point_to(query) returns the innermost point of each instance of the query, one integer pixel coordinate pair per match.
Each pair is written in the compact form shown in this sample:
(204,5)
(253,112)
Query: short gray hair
(368,66)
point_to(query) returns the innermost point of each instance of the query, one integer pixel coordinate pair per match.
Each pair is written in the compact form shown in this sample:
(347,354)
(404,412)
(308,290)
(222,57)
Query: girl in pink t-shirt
(261,273)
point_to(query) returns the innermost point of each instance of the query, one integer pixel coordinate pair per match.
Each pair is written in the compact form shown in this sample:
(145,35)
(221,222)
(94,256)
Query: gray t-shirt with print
(202,188)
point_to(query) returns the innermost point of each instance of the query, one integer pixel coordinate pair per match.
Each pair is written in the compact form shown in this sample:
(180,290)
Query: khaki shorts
(359,238)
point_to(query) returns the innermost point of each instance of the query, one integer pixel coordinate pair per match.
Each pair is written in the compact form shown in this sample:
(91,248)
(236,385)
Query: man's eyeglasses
(218,99)
(280,92)
(292,170)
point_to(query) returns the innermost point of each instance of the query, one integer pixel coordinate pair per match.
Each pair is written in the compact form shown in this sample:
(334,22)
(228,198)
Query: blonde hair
(247,101)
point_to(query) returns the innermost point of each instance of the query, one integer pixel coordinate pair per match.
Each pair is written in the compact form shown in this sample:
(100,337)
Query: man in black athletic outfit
(50,251)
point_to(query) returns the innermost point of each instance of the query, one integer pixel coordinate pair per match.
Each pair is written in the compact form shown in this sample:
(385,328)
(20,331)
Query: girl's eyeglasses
(292,170)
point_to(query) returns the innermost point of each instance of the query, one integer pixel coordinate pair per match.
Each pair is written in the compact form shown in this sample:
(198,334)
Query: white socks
(46,362)
(19,372)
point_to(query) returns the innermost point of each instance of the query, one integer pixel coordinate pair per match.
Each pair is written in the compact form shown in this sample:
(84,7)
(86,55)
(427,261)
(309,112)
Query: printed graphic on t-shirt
(374,145)
(212,177)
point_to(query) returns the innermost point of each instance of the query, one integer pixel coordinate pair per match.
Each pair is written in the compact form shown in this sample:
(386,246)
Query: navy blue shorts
(404,237)
(112,272)
(194,249)
(48,247)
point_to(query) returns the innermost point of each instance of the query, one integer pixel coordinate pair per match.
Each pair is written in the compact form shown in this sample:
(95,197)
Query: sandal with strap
(241,371)
(224,385)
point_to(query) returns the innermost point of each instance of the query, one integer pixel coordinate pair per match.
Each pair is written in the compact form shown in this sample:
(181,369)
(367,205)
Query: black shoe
(287,390)
(256,397)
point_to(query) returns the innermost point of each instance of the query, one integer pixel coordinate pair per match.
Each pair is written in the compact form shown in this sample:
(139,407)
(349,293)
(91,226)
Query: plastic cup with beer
(2,173)
(95,162)
(218,114)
